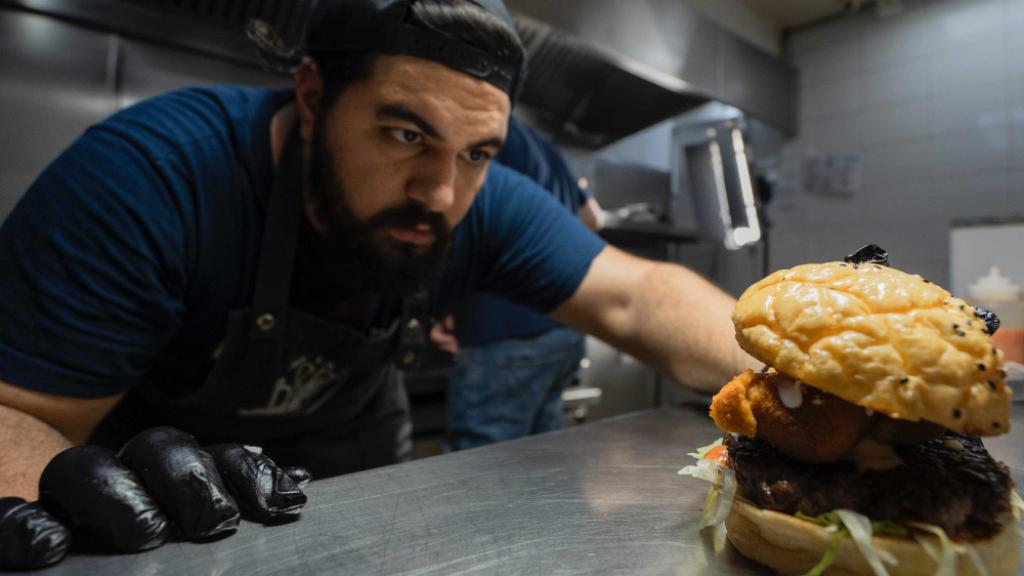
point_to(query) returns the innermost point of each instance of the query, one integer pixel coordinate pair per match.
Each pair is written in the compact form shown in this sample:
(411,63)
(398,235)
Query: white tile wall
(966,196)
(836,97)
(896,39)
(1017,192)
(900,162)
(835,134)
(971,151)
(968,21)
(971,105)
(1017,146)
(1015,18)
(894,202)
(909,80)
(933,98)
(895,123)
(981,62)
(1016,117)
(829,62)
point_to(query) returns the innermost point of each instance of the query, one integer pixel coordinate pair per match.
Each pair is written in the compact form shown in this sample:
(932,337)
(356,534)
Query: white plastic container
(999,294)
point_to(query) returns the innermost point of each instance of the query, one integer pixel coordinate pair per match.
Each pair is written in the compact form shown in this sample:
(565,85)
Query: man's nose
(433,183)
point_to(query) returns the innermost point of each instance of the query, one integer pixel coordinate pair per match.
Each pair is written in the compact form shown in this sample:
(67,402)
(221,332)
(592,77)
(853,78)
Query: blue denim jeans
(510,388)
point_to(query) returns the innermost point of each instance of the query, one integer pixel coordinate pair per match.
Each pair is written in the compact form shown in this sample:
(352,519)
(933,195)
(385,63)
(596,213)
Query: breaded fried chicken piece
(731,407)
(823,428)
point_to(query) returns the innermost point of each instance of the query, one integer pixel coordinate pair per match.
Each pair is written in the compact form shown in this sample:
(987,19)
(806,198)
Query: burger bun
(790,545)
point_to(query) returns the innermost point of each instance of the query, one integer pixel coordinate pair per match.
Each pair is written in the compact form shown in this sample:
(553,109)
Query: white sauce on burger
(790,394)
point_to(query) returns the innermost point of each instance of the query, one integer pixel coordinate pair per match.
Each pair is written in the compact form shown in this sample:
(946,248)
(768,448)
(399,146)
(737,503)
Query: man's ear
(309,91)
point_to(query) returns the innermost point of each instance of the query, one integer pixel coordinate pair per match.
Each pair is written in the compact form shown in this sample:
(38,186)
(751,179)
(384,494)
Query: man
(512,364)
(246,266)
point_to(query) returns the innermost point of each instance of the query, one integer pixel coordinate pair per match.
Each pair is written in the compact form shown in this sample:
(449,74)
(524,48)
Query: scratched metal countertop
(603,498)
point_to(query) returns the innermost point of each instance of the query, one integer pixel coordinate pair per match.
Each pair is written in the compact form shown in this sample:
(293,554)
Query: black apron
(309,390)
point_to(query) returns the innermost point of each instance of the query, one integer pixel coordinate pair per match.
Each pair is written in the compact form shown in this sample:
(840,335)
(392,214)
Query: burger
(857,449)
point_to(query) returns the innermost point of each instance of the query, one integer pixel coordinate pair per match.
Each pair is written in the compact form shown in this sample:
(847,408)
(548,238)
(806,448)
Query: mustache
(408,216)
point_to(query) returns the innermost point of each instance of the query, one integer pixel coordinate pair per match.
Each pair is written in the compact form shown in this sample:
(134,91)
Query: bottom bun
(790,545)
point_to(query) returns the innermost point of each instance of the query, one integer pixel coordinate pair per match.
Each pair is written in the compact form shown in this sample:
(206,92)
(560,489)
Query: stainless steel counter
(603,498)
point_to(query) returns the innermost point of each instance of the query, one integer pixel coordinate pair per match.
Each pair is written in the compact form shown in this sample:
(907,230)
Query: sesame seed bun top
(879,338)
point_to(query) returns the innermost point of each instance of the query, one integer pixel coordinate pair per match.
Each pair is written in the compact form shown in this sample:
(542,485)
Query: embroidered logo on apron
(307,385)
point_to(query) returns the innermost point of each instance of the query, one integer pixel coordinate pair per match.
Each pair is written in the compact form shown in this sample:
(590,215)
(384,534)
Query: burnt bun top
(879,338)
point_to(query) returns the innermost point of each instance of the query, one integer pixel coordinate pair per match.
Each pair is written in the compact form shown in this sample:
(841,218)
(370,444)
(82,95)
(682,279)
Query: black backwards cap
(382,26)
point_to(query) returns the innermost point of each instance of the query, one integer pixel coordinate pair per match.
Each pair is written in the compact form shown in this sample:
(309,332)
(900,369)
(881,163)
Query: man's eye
(478,156)
(405,136)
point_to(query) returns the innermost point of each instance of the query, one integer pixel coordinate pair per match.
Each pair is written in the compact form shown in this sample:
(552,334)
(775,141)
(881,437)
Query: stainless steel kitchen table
(603,498)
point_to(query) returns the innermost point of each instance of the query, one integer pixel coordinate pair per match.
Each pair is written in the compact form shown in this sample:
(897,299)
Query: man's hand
(442,335)
(160,481)
(30,537)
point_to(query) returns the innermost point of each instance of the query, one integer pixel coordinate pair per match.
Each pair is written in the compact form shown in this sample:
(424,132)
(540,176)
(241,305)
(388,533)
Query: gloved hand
(128,502)
(29,536)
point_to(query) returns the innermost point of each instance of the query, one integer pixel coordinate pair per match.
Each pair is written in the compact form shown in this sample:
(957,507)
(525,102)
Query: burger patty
(963,490)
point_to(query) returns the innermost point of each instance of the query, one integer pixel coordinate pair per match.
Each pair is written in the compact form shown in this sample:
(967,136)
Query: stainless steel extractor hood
(603,69)
(599,69)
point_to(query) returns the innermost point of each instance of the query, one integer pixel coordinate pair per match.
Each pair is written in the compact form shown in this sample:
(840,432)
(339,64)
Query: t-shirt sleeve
(520,243)
(92,270)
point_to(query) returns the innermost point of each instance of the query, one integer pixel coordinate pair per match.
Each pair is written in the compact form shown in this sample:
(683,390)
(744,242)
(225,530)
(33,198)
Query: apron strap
(412,332)
(277,250)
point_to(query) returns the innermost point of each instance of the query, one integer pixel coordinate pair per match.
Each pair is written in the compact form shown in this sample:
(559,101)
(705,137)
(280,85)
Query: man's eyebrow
(398,112)
(495,141)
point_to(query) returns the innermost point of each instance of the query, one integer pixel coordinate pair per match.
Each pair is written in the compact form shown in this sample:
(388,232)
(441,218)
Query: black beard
(347,262)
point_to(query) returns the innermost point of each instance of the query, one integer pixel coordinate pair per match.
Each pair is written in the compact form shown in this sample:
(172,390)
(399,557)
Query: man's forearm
(686,330)
(667,316)
(26,446)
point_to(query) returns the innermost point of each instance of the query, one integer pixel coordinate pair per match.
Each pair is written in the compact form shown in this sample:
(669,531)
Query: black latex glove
(89,488)
(264,491)
(183,479)
(119,501)
(29,536)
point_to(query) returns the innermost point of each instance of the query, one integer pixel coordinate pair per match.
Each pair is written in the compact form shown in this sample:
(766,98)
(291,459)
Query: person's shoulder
(226,99)
(502,177)
(507,200)
(164,123)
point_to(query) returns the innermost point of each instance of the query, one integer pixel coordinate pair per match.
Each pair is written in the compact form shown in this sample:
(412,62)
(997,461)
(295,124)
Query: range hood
(602,69)
(598,69)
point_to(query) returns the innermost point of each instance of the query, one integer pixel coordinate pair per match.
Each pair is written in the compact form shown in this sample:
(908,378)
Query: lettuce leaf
(859,527)
(723,485)
(829,557)
(880,527)
(945,556)
(699,454)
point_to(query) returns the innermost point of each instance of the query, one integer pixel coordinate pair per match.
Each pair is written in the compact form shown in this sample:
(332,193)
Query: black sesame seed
(956,326)
(970,324)
(995,424)
(843,265)
(991,384)
(904,380)
(961,334)
(957,414)
(1002,373)
(961,306)
(981,367)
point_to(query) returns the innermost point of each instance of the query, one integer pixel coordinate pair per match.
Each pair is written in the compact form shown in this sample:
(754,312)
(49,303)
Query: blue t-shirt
(482,318)
(130,249)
